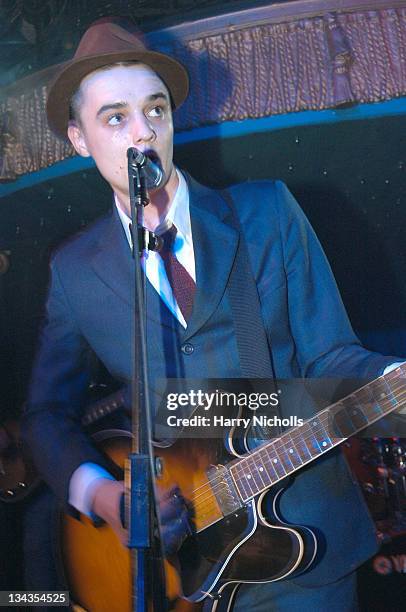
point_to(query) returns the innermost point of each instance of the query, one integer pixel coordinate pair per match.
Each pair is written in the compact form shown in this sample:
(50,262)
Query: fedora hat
(108,41)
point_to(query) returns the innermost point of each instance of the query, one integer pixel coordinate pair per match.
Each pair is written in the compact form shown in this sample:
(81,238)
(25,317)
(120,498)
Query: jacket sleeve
(305,319)
(52,420)
(325,342)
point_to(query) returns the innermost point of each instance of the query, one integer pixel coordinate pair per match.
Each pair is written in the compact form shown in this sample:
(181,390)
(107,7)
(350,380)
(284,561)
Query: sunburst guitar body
(223,551)
(237,536)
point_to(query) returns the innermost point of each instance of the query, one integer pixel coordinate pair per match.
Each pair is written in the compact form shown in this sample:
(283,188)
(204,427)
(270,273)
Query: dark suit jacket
(90,305)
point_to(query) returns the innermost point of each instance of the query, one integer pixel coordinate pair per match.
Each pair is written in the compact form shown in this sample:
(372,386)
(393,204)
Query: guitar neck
(103,407)
(273,461)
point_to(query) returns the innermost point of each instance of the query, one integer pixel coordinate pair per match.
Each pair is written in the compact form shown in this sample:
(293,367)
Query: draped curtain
(323,61)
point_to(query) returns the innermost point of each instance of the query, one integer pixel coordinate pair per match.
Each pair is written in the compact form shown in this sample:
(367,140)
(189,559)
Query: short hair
(74,106)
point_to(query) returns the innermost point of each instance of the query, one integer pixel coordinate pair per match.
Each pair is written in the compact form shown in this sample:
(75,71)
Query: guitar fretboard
(275,460)
(103,407)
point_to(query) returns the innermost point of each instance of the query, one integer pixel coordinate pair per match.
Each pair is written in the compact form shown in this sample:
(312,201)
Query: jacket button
(187,348)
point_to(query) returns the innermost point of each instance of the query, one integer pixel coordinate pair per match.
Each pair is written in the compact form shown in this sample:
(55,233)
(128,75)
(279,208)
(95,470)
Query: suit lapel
(113,263)
(215,244)
(112,260)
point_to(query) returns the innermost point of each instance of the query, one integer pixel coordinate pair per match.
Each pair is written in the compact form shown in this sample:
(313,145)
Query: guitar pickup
(224,489)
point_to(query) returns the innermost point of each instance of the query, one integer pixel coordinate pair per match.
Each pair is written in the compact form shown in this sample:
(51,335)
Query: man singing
(117,94)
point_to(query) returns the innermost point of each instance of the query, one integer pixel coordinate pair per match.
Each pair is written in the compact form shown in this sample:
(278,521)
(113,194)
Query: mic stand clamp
(148,241)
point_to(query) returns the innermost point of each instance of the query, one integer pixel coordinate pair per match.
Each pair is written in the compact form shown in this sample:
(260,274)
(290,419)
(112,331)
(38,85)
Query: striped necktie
(183,285)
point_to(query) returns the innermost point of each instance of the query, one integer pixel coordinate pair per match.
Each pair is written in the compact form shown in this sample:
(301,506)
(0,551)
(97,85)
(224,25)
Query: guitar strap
(254,351)
(252,341)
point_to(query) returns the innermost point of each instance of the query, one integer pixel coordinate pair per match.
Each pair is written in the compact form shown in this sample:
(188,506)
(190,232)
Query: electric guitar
(18,476)
(235,538)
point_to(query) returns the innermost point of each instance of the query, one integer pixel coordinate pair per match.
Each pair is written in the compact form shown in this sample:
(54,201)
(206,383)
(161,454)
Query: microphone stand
(141,512)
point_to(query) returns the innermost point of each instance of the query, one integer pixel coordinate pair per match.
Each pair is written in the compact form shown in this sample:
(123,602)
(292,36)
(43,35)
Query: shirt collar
(177,215)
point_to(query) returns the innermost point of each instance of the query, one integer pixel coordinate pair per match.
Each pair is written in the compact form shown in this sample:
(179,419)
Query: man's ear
(77,138)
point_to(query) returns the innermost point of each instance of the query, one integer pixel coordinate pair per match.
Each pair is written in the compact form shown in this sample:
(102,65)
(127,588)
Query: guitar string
(294,435)
(209,507)
(272,452)
(318,415)
(214,486)
(322,417)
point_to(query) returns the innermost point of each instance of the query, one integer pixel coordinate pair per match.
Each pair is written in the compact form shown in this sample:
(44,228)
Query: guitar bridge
(224,489)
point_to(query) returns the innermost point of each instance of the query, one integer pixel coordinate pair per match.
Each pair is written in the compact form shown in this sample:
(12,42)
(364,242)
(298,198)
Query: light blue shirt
(179,216)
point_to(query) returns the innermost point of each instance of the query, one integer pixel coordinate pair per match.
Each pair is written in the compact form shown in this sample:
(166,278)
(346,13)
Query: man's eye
(157,111)
(115,119)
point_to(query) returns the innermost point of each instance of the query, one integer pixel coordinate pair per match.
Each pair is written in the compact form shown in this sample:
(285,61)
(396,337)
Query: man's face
(122,107)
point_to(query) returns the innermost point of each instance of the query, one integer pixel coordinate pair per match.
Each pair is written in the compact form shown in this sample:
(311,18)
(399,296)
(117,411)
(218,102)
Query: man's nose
(142,130)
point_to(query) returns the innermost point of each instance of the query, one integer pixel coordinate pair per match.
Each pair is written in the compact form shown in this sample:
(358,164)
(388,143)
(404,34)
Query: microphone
(154,175)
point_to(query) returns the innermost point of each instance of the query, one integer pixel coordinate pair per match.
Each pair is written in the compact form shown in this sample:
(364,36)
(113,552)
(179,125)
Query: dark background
(348,176)
(35,34)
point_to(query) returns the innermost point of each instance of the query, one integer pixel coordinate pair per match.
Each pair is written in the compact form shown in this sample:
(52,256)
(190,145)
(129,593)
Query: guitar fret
(382,393)
(274,459)
(391,397)
(370,406)
(319,432)
(256,482)
(308,442)
(270,470)
(283,456)
(355,412)
(345,418)
(262,471)
(247,477)
(294,454)
(240,483)
(103,407)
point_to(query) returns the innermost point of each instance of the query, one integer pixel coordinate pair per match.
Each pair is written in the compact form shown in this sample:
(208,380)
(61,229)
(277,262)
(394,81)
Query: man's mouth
(153,156)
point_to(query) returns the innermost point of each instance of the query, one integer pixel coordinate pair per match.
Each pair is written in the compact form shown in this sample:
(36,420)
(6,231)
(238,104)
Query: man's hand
(106,504)
(174,516)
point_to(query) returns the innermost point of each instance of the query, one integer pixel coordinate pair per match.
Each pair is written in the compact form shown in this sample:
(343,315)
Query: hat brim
(172,73)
